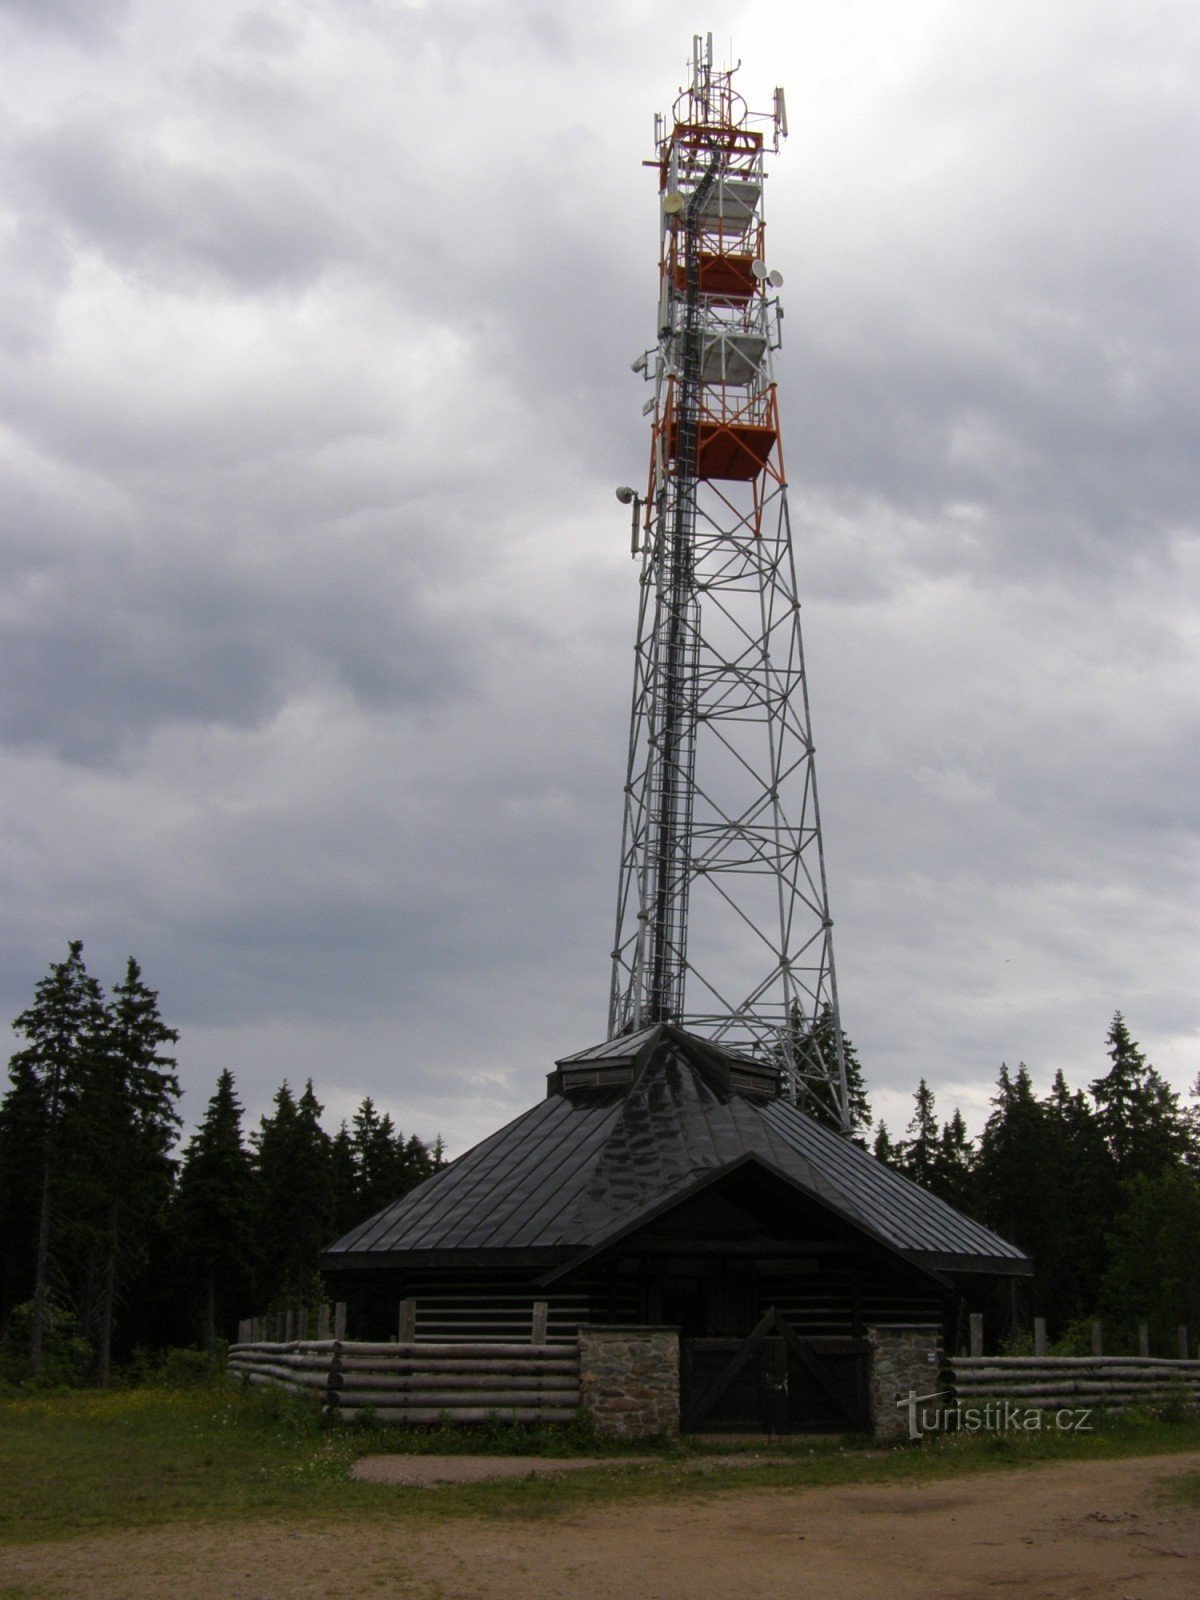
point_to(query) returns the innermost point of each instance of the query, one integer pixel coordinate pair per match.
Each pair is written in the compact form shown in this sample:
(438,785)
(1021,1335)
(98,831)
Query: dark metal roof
(586,1165)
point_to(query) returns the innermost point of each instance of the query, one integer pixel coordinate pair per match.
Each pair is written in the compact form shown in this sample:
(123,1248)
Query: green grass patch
(86,1461)
(81,1461)
(1185,1489)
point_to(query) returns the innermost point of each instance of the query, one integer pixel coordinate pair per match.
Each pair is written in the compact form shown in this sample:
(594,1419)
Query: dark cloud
(258,227)
(99,653)
(91,21)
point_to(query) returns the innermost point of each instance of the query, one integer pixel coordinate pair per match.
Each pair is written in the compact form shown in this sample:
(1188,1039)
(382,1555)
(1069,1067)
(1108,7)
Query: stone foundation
(904,1360)
(629,1381)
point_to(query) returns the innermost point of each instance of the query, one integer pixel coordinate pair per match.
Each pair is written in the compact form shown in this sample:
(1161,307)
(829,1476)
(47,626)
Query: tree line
(113,1238)
(1100,1186)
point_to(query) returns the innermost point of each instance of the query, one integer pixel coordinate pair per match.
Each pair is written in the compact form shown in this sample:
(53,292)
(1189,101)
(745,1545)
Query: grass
(1185,1489)
(83,1461)
(87,1461)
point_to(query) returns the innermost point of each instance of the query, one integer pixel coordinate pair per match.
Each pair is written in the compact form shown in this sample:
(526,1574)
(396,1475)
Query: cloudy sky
(317,614)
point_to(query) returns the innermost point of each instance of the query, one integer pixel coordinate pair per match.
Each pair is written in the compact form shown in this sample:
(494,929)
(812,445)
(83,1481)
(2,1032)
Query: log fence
(420,1383)
(536,1379)
(1047,1383)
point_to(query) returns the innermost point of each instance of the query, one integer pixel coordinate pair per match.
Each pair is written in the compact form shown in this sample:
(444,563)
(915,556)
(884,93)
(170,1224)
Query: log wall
(1111,1383)
(421,1383)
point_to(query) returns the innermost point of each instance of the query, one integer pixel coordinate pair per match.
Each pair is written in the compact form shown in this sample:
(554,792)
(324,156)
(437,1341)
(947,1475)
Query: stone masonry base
(629,1381)
(904,1360)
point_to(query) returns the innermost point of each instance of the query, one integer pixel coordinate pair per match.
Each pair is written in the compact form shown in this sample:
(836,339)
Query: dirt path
(1095,1529)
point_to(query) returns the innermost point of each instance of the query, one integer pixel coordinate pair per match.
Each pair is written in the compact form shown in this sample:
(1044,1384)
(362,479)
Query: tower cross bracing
(723,918)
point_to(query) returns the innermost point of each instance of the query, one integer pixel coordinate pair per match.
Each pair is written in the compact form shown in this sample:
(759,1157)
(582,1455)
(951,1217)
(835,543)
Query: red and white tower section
(723,921)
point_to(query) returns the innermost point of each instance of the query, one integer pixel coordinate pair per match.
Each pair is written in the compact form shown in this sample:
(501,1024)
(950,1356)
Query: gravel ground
(1081,1531)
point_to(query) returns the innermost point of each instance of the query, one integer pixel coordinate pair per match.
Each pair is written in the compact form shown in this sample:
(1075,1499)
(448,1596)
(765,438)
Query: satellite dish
(758,270)
(775,279)
(639,365)
(625,495)
(673,203)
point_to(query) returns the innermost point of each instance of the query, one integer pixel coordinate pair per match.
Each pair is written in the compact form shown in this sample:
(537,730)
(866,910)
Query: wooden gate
(774,1381)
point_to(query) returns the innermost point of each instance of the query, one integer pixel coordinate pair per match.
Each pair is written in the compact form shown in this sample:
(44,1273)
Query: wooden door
(774,1381)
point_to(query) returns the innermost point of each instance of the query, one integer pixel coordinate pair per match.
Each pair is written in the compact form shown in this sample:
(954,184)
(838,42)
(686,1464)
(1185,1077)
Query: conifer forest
(121,1238)
(118,1239)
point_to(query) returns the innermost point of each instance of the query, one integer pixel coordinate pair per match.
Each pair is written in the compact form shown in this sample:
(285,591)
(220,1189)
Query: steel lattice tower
(723,918)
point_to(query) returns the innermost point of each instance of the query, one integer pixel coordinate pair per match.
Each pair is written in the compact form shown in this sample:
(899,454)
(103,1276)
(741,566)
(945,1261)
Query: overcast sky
(317,614)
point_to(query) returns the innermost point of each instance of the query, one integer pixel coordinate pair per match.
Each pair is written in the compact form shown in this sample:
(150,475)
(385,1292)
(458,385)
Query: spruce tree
(1152,1274)
(1081,1176)
(918,1152)
(22,1127)
(294,1196)
(1137,1110)
(954,1164)
(883,1149)
(379,1160)
(343,1182)
(1018,1186)
(417,1161)
(66,1028)
(128,1111)
(819,1045)
(213,1215)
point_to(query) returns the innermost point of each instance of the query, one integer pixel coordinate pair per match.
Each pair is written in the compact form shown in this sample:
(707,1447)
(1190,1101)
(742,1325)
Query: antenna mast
(722,911)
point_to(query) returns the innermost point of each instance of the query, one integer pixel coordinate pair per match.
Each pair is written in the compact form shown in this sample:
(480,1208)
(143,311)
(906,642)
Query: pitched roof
(632,1126)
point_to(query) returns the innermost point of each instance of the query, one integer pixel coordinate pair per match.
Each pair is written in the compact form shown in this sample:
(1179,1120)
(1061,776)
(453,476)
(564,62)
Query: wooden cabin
(665,1181)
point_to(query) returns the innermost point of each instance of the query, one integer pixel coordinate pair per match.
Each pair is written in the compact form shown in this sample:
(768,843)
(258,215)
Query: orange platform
(726,277)
(733,451)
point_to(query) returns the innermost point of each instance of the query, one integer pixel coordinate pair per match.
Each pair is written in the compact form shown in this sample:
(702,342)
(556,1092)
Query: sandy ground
(1094,1529)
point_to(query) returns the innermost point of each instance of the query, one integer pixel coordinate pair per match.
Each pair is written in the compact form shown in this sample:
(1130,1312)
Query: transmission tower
(723,917)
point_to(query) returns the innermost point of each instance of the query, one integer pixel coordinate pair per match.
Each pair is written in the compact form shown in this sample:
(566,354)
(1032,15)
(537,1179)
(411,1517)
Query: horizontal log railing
(1111,1383)
(420,1383)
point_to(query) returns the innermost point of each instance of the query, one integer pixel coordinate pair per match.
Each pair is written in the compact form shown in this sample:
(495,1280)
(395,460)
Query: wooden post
(541,1317)
(1039,1336)
(1183,1342)
(977,1333)
(290,1326)
(323,1320)
(408,1321)
(302,1323)
(339,1320)
(1143,1338)
(1097,1338)
(333,1378)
